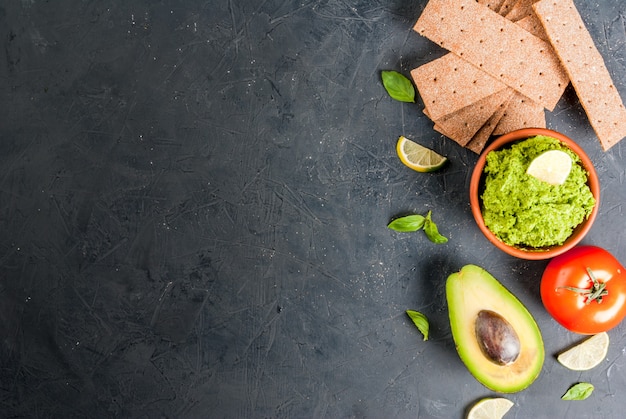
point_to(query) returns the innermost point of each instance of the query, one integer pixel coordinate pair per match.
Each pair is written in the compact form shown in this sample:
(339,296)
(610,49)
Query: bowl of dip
(522,215)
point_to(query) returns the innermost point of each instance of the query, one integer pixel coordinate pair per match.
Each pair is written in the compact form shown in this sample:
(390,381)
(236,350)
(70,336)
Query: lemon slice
(587,354)
(552,167)
(418,157)
(490,408)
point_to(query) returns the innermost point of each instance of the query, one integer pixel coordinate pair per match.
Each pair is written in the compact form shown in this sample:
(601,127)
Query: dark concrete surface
(193,207)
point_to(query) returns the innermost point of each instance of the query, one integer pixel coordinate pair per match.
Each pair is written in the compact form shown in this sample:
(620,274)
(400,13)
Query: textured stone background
(193,207)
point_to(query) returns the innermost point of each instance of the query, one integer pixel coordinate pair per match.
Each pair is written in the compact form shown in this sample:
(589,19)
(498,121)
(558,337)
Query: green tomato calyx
(595,293)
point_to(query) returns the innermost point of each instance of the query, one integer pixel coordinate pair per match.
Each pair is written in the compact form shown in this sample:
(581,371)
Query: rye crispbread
(586,69)
(496,45)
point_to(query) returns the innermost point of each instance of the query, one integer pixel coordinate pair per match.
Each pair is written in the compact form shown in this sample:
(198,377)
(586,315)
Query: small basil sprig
(432,232)
(398,86)
(578,391)
(420,321)
(417,222)
(408,223)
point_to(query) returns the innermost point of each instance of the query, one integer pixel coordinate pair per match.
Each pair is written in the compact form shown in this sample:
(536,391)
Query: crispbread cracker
(440,130)
(521,112)
(506,7)
(586,69)
(520,10)
(480,139)
(450,83)
(532,24)
(492,4)
(463,124)
(492,43)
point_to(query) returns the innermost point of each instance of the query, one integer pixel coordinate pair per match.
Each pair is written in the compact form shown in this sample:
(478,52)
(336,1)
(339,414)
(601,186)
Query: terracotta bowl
(477,186)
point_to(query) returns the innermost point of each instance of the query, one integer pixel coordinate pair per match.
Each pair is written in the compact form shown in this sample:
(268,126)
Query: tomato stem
(595,293)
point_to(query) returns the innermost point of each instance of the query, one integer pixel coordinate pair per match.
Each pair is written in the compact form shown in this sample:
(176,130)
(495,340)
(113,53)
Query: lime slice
(587,354)
(490,408)
(418,157)
(552,167)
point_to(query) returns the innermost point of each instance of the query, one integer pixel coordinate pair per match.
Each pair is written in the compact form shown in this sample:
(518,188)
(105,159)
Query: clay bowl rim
(476,184)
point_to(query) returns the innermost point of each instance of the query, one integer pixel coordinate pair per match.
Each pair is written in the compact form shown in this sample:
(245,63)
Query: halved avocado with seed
(496,337)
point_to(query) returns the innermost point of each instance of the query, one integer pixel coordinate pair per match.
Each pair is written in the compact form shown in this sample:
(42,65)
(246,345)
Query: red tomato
(575,299)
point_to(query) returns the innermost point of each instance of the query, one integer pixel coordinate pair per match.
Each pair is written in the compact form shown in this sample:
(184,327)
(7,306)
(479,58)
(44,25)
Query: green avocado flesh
(485,314)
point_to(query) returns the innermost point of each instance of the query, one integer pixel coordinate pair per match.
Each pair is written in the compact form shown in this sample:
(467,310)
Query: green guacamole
(526,212)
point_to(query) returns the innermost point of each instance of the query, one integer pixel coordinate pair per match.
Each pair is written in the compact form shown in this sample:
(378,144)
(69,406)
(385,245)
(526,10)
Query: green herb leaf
(407,223)
(430,228)
(398,86)
(420,321)
(578,391)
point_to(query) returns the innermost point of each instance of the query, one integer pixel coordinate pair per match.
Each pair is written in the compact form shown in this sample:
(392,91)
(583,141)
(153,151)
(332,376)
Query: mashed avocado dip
(524,211)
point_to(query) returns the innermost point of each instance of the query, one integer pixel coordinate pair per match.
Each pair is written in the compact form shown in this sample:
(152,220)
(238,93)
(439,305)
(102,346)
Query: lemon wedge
(418,157)
(490,408)
(586,354)
(552,167)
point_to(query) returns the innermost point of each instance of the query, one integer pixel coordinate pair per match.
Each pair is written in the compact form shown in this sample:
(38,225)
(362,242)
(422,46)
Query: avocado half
(471,293)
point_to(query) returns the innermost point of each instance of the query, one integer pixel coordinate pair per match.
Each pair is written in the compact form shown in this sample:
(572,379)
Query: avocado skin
(472,290)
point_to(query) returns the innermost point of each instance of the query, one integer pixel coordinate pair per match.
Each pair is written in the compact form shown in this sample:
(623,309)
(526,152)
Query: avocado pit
(496,337)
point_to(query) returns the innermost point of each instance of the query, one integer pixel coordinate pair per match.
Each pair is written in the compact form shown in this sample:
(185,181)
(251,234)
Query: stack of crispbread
(510,60)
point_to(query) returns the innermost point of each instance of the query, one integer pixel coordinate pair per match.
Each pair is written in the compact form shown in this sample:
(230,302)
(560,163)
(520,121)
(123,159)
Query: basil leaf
(578,391)
(398,86)
(408,223)
(430,228)
(420,321)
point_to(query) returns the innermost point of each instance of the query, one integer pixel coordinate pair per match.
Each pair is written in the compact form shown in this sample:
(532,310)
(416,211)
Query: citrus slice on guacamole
(552,167)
